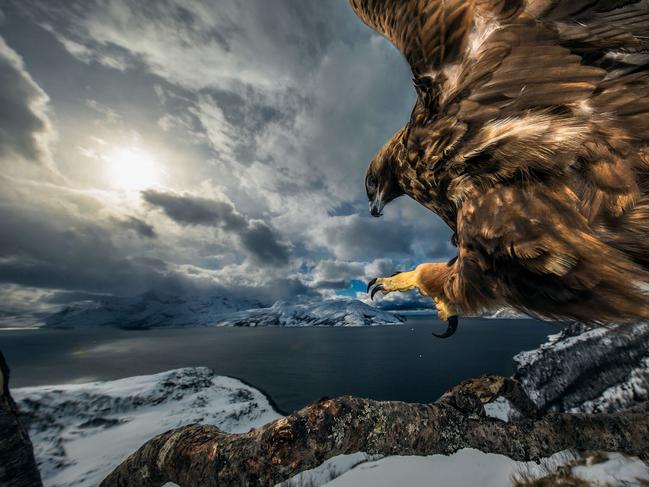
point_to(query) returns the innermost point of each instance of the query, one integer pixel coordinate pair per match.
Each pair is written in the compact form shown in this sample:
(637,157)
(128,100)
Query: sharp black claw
(376,290)
(371,283)
(452,328)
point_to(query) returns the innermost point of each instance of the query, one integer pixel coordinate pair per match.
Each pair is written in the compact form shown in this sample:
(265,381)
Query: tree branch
(203,455)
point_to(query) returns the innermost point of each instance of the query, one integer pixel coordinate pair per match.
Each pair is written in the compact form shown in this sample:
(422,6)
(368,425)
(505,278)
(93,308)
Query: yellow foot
(416,279)
(400,282)
(444,309)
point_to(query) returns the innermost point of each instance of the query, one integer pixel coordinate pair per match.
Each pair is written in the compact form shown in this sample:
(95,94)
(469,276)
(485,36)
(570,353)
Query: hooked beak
(376,207)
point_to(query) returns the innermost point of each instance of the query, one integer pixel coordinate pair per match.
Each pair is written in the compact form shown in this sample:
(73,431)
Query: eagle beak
(376,207)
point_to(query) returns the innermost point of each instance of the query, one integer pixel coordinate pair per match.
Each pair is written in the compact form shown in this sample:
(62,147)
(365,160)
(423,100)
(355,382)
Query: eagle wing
(511,92)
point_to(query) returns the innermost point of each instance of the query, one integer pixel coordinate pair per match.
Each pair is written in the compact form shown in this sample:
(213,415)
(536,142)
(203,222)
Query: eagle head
(381,181)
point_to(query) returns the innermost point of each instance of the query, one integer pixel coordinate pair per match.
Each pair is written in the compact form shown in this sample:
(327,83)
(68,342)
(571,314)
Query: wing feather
(530,137)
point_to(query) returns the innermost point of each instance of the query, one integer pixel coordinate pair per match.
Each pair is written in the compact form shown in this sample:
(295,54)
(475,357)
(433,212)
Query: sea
(292,366)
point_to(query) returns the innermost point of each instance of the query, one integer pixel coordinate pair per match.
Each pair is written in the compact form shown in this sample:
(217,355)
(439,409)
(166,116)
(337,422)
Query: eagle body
(530,139)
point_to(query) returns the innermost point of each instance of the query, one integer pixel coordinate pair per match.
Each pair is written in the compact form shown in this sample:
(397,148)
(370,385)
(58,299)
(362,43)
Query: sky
(194,146)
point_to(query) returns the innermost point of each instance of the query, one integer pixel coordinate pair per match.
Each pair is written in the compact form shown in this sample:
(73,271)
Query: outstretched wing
(434,33)
(429,33)
(507,88)
(548,91)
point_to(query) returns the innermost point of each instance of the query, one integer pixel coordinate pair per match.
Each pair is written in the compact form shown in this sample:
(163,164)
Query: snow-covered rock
(151,309)
(324,313)
(589,370)
(81,432)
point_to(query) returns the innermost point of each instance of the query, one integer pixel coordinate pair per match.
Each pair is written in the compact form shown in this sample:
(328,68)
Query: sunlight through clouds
(132,168)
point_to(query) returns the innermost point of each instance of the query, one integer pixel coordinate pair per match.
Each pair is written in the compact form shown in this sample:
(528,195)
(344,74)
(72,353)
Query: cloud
(197,44)
(195,210)
(263,244)
(262,120)
(355,237)
(140,227)
(327,270)
(41,248)
(260,240)
(25,128)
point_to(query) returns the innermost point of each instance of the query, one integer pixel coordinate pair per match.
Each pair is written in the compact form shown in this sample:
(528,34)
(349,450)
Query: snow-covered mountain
(81,432)
(324,313)
(151,309)
(505,314)
(157,310)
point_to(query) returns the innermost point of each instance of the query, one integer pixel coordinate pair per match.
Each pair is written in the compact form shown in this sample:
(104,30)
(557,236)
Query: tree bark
(17,463)
(202,455)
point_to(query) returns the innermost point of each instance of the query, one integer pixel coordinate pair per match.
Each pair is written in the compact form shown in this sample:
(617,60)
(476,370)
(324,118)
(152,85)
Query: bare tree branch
(204,455)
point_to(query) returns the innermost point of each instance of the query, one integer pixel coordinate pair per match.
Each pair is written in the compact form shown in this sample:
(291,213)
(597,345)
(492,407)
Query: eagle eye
(370,182)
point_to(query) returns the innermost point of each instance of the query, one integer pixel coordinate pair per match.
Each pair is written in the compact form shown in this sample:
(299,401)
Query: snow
(617,470)
(329,470)
(501,409)
(464,468)
(322,313)
(634,389)
(81,432)
(557,343)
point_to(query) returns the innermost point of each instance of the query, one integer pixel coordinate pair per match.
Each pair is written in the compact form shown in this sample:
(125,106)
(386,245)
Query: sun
(131,168)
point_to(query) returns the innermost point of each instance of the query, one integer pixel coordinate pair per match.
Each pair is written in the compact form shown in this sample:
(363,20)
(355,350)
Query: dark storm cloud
(336,274)
(50,250)
(23,122)
(263,243)
(81,258)
(140,227)
(194,210)
(260,240)
(361,238)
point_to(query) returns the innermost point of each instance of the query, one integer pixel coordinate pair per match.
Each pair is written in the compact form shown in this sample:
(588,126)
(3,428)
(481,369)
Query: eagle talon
(399,282)
(371,283)
(376,290)
(452,323)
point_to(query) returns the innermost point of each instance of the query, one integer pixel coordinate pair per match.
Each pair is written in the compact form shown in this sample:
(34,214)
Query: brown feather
(530,138)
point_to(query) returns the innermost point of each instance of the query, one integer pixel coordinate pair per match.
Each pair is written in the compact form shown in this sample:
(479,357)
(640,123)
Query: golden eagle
(530,139)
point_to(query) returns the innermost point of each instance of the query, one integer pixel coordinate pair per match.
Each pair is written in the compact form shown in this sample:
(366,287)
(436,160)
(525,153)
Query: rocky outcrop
(588,370)
(585,390)
(204,455)
(17,464)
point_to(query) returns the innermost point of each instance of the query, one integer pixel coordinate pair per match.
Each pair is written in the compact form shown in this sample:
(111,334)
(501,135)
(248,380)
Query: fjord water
(294,366)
